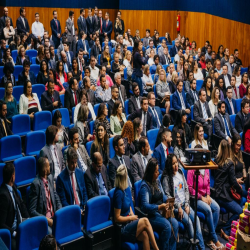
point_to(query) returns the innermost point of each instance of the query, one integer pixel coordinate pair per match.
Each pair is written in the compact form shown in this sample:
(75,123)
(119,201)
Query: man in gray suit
(52,152)
(83,160)
(122,91)
(222,125)
(140,159)
(71,32)
(43,199)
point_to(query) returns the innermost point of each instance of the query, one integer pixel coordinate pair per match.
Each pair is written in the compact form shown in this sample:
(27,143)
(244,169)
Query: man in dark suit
(121,89)
(154,111)
(53,152)
(71,32)
(51,63)
(119,159)
(204,49)
(174,50)
(107,26)
(70,184)
(225,76)
(22,24)
(96,178)
(119,15)
(4,124)
(90,24)
(56,29)
(140,159)
(50,99)
(111,102)
(26,73)
(96,49)
(230,102)
(12,209)
(165,124)
(99,26)
(66,64)
(192,94)
(42,188)
(69,54)
(242,116)
(2,21)
(134,102)
(86,84)
(84,45)
(71,97)
(203,115)
(144,115)
(222,124)
(81,23)
(165,58)
(163,149)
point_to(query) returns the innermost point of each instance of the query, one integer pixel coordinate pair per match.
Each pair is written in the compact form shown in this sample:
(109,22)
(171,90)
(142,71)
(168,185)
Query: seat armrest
(140,213)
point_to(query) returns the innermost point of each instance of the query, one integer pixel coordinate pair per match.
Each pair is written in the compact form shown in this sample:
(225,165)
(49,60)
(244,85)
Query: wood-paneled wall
(46,14)
(197,26)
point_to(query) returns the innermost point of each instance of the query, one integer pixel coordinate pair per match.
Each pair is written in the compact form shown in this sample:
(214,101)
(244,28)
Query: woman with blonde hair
(118,26)
(199,137)
(156,76)
(40,54)
(147,81)
(215,98)
(128,138)
(21,55)
(127,64)
(133,229)
(8,31)
(173,82)
(106,58)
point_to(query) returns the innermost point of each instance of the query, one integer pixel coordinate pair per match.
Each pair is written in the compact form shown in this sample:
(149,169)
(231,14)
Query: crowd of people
(87,67)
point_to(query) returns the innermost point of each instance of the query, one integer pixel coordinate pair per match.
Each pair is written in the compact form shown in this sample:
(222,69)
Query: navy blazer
(190,97)
(20,27)
(159,154)
(176,101)
(90,26)
(54,29)
(228,107)
(71,57)
(80,45)
(138,61)
(65,191)
(107,29)
(173,51)
(82,25)
(46,102)
(22,78)
(154,118)
(240,121)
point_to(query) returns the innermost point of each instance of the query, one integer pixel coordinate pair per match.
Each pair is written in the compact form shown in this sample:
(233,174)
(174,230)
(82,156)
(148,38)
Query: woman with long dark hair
(7,58)
(153,202)
(243,85)
(75,70)
(60,74)
(208,86)
(215,98)
(58,85)
(220,84)
(175,186)
(220,53)
(246,136)
(43,74)
(179,144)
(138,62)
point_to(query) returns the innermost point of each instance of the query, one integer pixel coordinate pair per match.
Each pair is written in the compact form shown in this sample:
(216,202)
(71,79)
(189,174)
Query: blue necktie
(227,129)
(101,186)
(156,117)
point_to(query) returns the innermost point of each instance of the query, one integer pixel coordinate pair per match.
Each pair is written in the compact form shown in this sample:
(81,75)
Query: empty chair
(152,135)
(17,70)
(17,92)
(126,107)
(98,226)
(34,142)
(88,146)
(33,60)
(38,89)
(31,232)
(11,148)
(67,227)
(6,237)
(199,84)
(14,55)
(65,116)
(91,127)
(232,119)
(20,124)
(35,68)
(238,104)
(1,172)
(25,170)
(42,120)
(31,53)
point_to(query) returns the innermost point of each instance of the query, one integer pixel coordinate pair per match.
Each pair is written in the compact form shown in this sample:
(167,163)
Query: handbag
(235,195)
(170,212)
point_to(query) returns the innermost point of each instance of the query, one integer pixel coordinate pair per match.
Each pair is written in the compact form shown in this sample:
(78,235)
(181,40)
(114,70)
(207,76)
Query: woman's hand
(133,217)
(32,115)
(187,210)
(163,207)
(209,200)
(205,199)
(89,137)
(240,180)
(180,213)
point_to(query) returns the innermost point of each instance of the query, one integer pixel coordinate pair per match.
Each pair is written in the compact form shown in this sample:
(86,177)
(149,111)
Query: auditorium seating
(6,237)
(111,148)
(17,92)
(42,120)
(38,89)
(20,124)
(65,116)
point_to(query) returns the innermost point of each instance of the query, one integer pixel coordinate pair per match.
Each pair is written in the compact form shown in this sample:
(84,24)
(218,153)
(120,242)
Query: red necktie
(74,190)
(52,99)
(75,98)
(101,24)
(167,151)
(56,25)
(106,24)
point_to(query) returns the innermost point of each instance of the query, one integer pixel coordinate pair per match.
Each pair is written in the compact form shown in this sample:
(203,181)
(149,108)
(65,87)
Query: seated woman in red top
(58,85)
(60,74)
(246,136)
(243,86)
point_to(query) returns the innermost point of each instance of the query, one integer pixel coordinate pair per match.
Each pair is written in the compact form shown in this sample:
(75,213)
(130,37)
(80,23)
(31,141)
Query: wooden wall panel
(46,15)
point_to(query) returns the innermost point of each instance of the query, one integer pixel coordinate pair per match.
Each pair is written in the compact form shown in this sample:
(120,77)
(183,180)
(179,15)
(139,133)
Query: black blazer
(19,60)
(222,76)
(163,60)
(41,78)
(95,51)
(240,121)
(132,104)
(138,113)
(198,114)
(92,184)
(91,97)
(190,97)
(46,102)
(69,102)
(22,78)
(90,25)
(7,209)
(20,27)
(110,106)
(2,131)
(82,25)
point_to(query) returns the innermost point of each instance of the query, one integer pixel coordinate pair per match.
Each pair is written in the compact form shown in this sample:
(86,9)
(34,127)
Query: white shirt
(179,188)
(75,182)
(144,159)
(227,83)
(176,58)
(198,75)
(55,160)
(94,72)
(23,21)
(91,110)
(37,29)
(165,150)
(204,144)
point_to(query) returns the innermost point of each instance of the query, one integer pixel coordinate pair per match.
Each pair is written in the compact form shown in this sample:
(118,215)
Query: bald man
(66,64)
(96,177)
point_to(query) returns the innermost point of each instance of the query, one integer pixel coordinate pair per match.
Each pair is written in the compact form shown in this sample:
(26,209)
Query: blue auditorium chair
(88,146)
(35,68)
(62,99)
(65,116)
(126,107)
(199,84)
(165,67)
(33,61)
(6,237)
(1,72)
(238,104)
(125,75)
(20,124)
(64,148)
(42,120)
(14,55)
(1,172)
(232,119)
(98,228)
(171,127)
(17,70)
(99,59)
(25,169)
(130,48)
(111,148)
(152,135)
(11,148)
(2,91)
(31,232)
(67,227)
(91,127)
(243,70)
(34,142)
(17,92)
(38,89)
(31,53)
(152,69)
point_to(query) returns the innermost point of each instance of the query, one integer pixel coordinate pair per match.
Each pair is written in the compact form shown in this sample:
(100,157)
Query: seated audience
(114,98)
(162,151)
(103,92)
(199,137)
(70,184)
(179,144)
(5,124)
(132,228)
(224,179)
(29,102)
(96,49)
(26,74)
(63,137)
(192,94)
(58,85)
(86,84)
(8,71)
(230,102)
(147,82)
(21,56)
(109,81)
(237,74)
(207,85)
(157,73)
(117,67)
(197,72)
(94,71)
(96,178)
(75,70)
(7,58)
(10,200)
(247,95)
(165,124)
(127,63)
(165,57)
(105,59)
(43,74)
(213,103)
(60,74)
(50,99)
(174,185)
(121,89)
(128,138)
(153,202)
(51,64)
(43,186)
(220,83)
(173,82)
(242,116)
(83,161)
(171,70)
(135,100)
(40,54)
(66,63)
(140,159)
(243,85)
(101,143)
(10,101)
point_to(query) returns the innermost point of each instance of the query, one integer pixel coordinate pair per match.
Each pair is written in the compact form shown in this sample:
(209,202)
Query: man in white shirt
(94,70)
(37,28)
(178,55)
(103,92)
(225,76)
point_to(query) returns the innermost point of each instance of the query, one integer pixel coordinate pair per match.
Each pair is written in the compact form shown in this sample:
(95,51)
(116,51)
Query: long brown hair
(128,131)
(223,155)
(233,156)
(97,142)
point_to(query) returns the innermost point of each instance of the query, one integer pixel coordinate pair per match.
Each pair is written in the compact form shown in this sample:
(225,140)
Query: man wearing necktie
(12,209)
(4,125)
(81,23)
(122,91)
(100,27)
(56,29)
(71,32)
(242,116)
(107,27)
(192,94)
(222,123)
(230,102)
(154,110)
